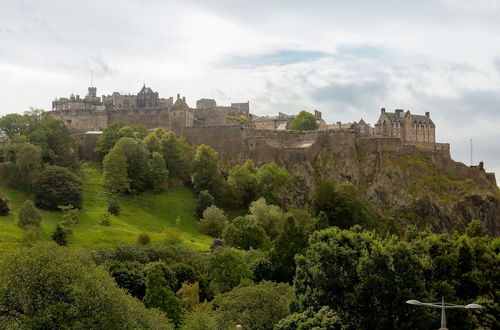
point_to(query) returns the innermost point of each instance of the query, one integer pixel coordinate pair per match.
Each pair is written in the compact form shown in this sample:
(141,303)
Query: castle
(237,134)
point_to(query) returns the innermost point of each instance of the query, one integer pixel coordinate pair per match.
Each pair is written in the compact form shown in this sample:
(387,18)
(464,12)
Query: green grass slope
(165,217)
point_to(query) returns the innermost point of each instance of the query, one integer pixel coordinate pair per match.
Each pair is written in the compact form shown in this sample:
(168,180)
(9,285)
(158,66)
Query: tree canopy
(304,121)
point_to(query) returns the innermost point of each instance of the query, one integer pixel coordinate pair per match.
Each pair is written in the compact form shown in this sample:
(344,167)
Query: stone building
(91,101)
(407,126)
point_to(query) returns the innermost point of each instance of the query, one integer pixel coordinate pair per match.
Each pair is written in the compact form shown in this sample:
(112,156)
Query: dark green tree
(290,241)
(58,186)
(244,233)
(108,138)
(203,201)
(226,269)
(159,293)
(343,205)
(114,206)
(304,121)
(59,236)
(4,206)
(321,222)
(28,216)
(129,275)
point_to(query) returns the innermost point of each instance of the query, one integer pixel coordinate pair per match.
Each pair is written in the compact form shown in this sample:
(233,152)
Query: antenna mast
(91,79)
(471,159)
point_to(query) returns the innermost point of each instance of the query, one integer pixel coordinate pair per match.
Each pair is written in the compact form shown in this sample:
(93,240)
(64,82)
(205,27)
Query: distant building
(408,127)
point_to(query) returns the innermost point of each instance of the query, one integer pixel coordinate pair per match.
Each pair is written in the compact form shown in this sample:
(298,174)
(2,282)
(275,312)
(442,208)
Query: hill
(408,187)
(166,216)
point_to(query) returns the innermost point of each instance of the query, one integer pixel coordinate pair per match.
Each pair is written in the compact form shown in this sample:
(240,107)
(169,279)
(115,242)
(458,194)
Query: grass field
(165,217)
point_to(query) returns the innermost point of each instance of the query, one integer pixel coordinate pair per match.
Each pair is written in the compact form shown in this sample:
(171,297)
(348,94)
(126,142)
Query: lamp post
(443,307)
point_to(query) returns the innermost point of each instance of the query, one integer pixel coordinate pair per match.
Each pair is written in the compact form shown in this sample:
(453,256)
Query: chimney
(178,96)
(428,114)
(398,112)
(184,98)
(382,110)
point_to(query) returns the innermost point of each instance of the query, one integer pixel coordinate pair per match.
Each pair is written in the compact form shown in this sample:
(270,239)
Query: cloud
(278,57)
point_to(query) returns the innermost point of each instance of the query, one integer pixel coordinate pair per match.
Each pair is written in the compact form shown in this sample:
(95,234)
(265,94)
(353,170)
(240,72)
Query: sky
(346,59)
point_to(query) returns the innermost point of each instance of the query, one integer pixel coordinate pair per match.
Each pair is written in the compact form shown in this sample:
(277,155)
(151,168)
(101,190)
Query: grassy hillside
(166,217)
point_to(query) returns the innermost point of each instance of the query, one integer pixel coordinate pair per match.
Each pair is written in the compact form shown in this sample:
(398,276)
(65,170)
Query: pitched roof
(395,118)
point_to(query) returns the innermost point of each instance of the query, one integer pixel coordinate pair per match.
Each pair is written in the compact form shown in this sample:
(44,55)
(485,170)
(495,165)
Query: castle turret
(92,92)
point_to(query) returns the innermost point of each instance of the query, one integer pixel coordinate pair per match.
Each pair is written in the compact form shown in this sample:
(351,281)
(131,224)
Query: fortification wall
(225,139)
(82,120)
(148,117)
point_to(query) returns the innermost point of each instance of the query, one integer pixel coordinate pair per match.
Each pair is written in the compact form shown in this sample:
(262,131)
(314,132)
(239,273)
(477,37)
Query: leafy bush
(28,216)
(245,233)
(213,221)
(59,236)
(143,239)
(4,206)
(58,186)
(114,206)
(71,293)
(203,202)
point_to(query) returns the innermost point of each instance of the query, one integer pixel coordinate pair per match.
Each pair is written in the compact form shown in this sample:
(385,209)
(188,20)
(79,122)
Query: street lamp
(443,306)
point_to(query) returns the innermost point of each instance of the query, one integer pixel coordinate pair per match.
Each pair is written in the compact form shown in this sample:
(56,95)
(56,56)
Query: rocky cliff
(408,187)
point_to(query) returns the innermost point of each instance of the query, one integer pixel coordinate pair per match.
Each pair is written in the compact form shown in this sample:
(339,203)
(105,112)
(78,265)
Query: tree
(108,138)
(114,206)
(72,292)
(159,293)
(58,186)
(213,222)
(190,296)
(59,236)
(206,174)
(143,239)
(176,151)
(321,222)
(139,172)
(159,171)
(12,125)
(304,121)
(343,205)
(290,241)
(4,206)
(258,306)
(57,145)
(26,169)
(272,180)
(243,182)
(129,275)
(28,216)
(115,172)
(244,233)
(226,269)
(270,217)
(325,318)
(203,201)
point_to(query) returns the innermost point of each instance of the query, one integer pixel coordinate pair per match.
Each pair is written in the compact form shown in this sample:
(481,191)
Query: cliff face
(408,187)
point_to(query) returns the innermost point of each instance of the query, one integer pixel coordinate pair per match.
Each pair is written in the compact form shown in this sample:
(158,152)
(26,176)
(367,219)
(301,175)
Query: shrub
(28,216)
(31,234)
(4,206)
(114,206)
(59,236)
(58,186)
(143,239)
(204,201)
(213,221)
(105,220)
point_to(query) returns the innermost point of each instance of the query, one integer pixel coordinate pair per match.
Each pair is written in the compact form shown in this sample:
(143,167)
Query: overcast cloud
(345,58)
